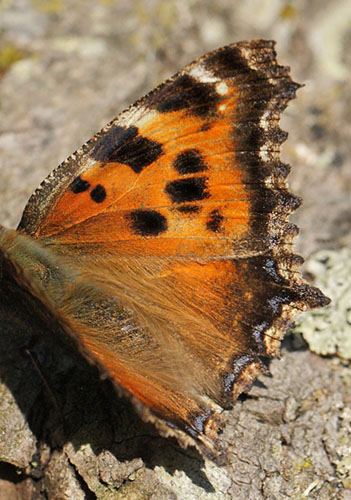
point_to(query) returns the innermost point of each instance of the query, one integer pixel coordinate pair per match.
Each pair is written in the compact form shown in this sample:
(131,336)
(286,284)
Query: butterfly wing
(176,214)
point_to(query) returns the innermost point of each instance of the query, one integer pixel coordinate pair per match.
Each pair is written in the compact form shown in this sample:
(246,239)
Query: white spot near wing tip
(222,88)
(145,117)
(202,74)
(222,107)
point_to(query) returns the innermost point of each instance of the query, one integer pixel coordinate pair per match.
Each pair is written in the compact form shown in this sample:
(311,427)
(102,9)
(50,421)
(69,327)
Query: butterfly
(163,248)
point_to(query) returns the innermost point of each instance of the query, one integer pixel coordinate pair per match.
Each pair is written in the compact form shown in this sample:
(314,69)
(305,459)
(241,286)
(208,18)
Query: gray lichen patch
(328,330)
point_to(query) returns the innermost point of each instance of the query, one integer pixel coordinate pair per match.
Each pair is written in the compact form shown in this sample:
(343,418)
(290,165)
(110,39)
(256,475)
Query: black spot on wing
(200,99)
(189,209)
(228,63)
(98,194)
(215,221)
(147,222)
(125,145)
(186,190)
(111,140)
(189,162)
(79,185)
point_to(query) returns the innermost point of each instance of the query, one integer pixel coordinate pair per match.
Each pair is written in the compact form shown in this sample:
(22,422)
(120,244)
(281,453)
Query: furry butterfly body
(162,246)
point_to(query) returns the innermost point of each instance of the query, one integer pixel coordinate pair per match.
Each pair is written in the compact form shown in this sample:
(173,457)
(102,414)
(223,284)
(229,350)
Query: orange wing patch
(192,187)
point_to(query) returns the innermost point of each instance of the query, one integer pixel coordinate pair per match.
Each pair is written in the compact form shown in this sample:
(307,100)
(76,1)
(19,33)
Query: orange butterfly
(162,246)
